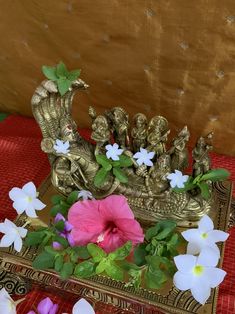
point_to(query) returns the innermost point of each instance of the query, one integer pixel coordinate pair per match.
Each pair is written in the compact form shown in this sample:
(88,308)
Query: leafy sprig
(61,76)
(108,166)
(201,181)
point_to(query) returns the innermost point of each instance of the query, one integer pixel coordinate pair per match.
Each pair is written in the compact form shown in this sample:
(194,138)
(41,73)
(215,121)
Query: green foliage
(202,180)
(44,260)
(61,76)
(116,166)
(66,270)
(85,269)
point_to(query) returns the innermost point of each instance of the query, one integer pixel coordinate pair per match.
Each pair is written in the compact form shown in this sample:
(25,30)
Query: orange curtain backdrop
(168,57)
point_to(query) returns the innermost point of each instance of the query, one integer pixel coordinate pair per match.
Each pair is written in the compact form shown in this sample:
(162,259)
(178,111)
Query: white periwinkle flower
(177,179)
(7,305)
(144,157)
(204,236)
(85,195)
(198,274)
(83,307)
(13,235)
(61,147)
(113,151)
(25,199)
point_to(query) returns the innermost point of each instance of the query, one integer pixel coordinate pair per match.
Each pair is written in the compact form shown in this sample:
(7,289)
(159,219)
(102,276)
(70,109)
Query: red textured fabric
(22,161)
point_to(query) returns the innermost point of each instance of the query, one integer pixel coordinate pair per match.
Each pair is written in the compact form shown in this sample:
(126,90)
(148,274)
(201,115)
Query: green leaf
(34,238)
(61,240)
(100,177)
(205,191)
(153,261)
(114,271)
(219,174)
(171,268)
(50,250)
(49,72)
(164,233)
(96,252)
(152,232)
(63,85)
(120,175)
(59,262)
(61,208)
(104,162)
(82,252)
(140,254)
(126,266)
(122,252)
(155,279)
(85,269)
(73,197)
(104,263)
(125,161)
(56,199)
(73,75)
(60,225)
(61,70)
(67,270)
(44,260)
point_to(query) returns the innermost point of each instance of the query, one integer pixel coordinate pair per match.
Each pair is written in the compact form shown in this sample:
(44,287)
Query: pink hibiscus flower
(109,222)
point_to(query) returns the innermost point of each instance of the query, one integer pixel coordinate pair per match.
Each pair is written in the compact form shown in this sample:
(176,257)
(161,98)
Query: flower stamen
(198,270)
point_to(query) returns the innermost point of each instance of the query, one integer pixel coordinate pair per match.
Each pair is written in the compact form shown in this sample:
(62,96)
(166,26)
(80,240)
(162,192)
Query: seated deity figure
(202,162)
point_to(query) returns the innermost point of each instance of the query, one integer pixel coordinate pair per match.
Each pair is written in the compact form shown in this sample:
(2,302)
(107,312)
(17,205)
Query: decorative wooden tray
(18,276)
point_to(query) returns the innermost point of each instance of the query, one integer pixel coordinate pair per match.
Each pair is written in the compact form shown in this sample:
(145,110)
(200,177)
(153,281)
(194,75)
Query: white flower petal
(214,276)
(185,178)
(7,307)
(208,257)
(30,189)
(16,193)
(193,248)
(7,240)
(30,211)
(148,163)
(185,262)
(137,155)
(18,244)
(38,205)
(108,147)
(182,281)
(4,294)
(206,224)
(83,307)
(9,224)
(20,205)
(3,228)
(151,155)
(191,235)
(173,183)
(217,236)
(115,146)
(180,184)
(114,157)
(201,292)
(171,176)
(22,231)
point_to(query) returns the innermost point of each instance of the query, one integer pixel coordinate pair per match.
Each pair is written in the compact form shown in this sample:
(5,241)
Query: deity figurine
(179,151)
(202,162)
(157,135)
(119,121)
(100,133)
(157,181)
(139,132)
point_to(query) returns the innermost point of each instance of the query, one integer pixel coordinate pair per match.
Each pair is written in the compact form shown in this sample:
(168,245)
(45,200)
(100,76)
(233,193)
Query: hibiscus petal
(83,307)
(115,207)
(206,224)
(185,262)
(217,236)
(191,235)
(16,193)
(18,244)
(130,230)
(82,237)
(7,240)
(208,257)
(111,242)
(86,217)
(201,292)
(214,276)
(30,189)
(182,281)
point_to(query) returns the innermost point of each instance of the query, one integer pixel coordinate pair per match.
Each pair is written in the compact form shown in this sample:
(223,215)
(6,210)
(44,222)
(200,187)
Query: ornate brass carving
(148,191)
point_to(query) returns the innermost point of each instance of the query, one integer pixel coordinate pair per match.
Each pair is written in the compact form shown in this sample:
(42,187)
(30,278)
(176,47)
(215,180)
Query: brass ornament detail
(148,190)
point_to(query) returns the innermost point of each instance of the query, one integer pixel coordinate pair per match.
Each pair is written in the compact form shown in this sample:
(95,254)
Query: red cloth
(22,160)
